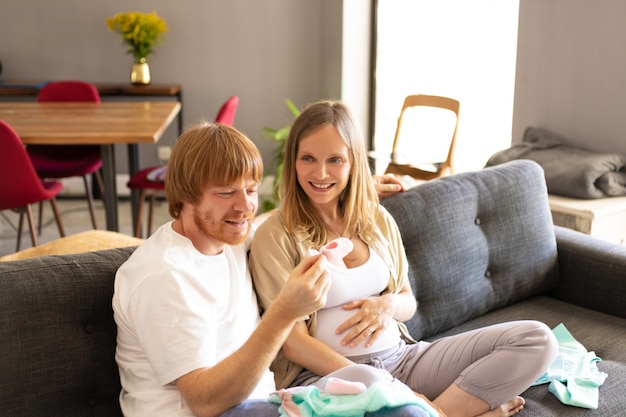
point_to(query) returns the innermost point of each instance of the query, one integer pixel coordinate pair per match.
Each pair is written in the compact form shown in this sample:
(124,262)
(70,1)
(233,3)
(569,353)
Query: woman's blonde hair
(358,203)
(208,154)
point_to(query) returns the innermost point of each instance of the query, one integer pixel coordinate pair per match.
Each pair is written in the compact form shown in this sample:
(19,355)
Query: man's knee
(252,408)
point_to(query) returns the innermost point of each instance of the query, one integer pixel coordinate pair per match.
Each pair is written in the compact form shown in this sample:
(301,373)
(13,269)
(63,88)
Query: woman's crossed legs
(481,371)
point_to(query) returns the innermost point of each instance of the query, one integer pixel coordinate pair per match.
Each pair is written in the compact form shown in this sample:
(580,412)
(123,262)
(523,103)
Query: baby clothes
(367,389)
(336,250)
(573,376)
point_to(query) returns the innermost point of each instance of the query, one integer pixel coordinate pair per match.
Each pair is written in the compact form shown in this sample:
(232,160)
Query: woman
(328,193)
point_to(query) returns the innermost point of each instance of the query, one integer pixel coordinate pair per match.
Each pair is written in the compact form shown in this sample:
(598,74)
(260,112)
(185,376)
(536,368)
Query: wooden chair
(19,184)
(412,162)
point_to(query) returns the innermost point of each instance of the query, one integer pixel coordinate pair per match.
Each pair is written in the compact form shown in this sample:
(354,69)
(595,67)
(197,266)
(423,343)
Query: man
(190,340)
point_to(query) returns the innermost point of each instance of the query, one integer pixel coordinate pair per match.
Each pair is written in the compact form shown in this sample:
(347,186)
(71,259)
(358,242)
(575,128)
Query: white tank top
(350,284)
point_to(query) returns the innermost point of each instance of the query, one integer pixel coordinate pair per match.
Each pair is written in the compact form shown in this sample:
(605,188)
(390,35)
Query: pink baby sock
(341,386)
(336,250)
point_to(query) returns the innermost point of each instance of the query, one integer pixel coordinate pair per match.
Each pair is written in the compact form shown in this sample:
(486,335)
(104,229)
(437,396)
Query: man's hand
(210,391)
(387,185)
(305,290)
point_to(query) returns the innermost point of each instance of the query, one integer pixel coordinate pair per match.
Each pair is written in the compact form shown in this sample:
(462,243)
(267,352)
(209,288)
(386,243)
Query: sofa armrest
(592,272)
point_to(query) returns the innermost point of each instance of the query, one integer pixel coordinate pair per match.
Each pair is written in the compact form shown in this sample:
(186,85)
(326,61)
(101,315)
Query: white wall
(571,71)
(356,60)
(263,51)
(570,74)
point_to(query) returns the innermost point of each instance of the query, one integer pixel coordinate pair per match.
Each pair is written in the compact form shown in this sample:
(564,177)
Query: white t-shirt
(178,310)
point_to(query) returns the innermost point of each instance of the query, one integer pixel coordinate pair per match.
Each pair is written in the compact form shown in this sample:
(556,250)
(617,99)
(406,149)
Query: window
(456,48)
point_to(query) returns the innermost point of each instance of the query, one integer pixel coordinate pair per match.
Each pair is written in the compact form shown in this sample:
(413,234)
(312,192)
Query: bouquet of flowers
(141,31)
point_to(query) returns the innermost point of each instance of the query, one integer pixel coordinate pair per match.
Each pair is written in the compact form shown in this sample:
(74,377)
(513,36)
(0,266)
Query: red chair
(151,178)
(63,161)
(226,114)
(19,184)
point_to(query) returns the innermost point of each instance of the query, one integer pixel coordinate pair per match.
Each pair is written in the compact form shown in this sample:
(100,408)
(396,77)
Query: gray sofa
(482,249)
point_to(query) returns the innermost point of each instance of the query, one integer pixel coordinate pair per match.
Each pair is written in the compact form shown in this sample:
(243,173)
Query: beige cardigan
(275,253)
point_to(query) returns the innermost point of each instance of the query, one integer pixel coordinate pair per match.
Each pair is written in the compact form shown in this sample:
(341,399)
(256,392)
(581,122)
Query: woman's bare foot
(455,402)
(507,409)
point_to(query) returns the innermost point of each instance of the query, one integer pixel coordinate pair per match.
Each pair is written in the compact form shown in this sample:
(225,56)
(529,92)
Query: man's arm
(387,185)
(211,391)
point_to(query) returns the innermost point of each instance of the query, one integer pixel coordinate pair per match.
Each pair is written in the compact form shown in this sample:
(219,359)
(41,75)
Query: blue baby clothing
(311,401)
(573,376)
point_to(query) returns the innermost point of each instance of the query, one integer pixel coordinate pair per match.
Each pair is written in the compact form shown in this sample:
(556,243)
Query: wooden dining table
(104,124)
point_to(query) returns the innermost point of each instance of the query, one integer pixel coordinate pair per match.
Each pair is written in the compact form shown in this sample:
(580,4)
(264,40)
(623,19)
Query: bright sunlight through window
(461,49)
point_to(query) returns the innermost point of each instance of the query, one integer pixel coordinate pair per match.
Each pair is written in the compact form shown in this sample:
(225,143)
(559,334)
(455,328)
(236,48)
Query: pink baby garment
(335,250)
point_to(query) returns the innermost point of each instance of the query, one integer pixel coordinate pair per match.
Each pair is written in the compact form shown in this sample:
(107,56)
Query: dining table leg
(133,167)
(110,187)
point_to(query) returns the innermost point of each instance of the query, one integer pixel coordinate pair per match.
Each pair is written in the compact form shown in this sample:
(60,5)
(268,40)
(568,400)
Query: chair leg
(100,183)
(90,202)
(31,224)
(142,195)
(150,213)
(40,218)
(20,226)
(55,210)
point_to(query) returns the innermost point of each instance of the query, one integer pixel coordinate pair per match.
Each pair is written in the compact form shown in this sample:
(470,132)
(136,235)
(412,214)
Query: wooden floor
(75,217)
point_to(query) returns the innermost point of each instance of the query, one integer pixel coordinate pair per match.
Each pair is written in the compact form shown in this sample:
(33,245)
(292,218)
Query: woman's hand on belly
(373,315)
(326,332)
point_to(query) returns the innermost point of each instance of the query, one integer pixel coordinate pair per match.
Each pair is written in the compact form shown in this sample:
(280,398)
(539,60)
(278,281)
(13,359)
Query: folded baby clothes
(573,376)
(347,399)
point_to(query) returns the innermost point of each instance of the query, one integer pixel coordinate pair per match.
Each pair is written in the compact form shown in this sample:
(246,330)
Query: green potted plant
(280,137)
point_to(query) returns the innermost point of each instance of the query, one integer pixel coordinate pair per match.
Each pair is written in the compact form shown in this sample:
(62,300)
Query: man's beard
(215,229)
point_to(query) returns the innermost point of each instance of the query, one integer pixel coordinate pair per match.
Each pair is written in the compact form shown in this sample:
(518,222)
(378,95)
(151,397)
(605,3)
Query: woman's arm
(312,354)
(376,314)
(396,304)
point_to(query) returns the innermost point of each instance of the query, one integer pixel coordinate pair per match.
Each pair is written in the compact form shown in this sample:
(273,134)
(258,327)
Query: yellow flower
(141,31)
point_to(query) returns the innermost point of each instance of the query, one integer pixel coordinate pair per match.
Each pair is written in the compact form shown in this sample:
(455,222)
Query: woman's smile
(323,165)
(321,186)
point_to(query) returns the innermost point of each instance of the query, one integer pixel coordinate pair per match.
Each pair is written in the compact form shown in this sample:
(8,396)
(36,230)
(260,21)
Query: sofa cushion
(87,241)
(57,335)
(598,332)
(476,242)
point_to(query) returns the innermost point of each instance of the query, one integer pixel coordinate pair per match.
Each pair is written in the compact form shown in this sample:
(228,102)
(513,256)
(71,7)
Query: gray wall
(571,71)
(263,51)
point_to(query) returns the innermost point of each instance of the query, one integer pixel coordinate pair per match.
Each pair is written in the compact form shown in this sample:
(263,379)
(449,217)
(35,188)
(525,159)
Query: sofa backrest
(57,335)
(475,242)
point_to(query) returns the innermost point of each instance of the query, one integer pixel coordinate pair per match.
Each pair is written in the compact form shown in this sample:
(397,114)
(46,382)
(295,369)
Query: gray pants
(494,363)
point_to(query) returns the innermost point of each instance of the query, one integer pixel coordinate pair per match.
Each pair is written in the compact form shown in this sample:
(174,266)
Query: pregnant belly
(330,318)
